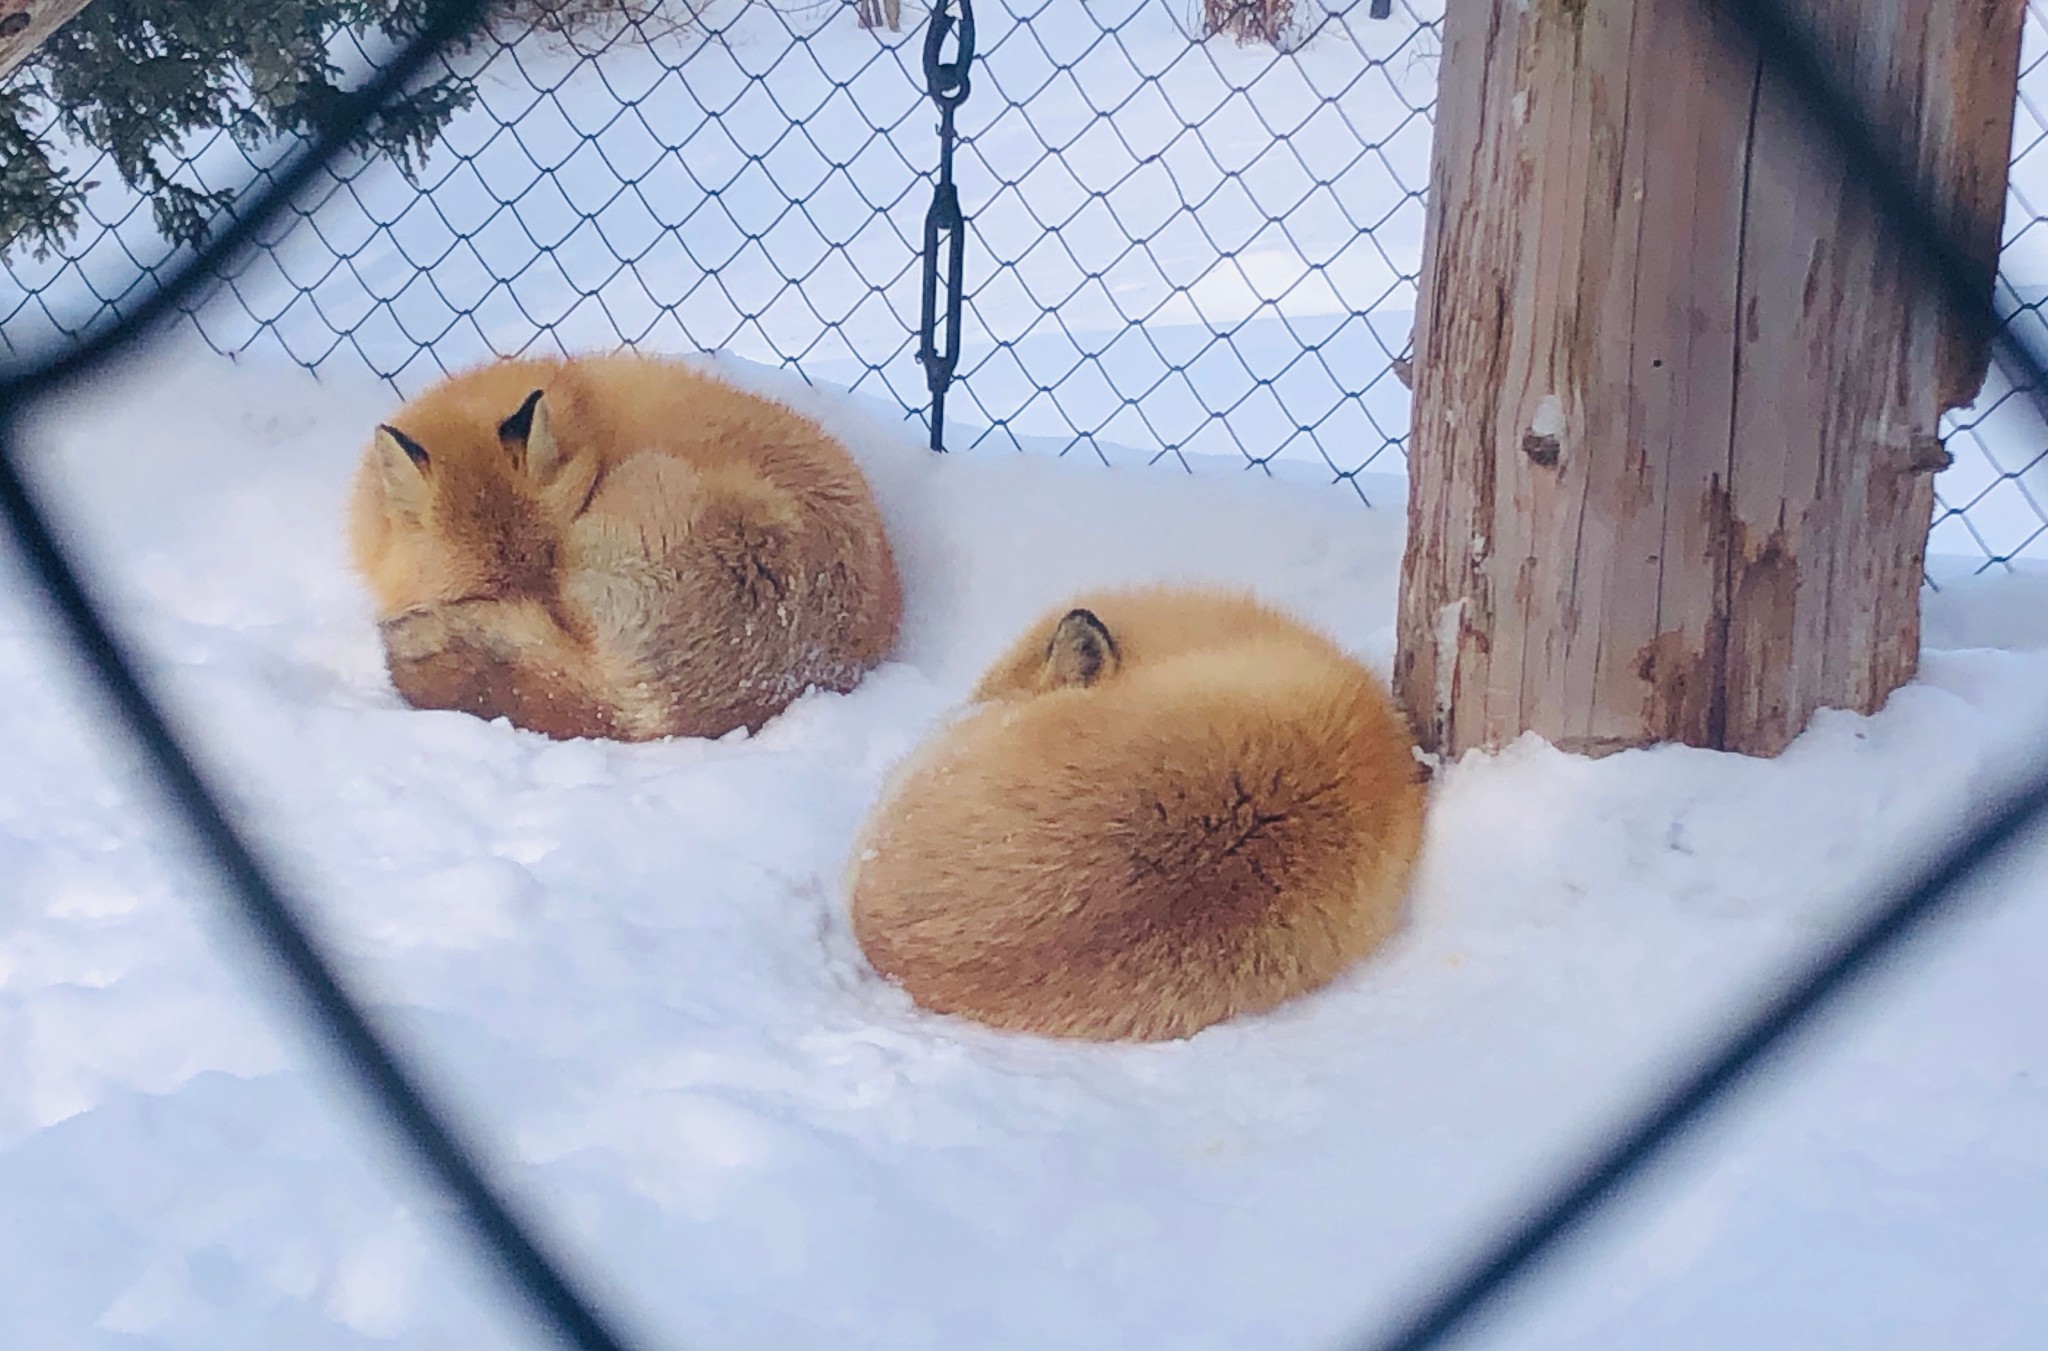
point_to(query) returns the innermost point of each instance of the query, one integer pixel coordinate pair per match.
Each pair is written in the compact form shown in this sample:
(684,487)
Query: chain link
(945,228)
(1185,248)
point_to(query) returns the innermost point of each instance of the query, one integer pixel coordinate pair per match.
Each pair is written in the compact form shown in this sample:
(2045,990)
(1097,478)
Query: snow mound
(629,966)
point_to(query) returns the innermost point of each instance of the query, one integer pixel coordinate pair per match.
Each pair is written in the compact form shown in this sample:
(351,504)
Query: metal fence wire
(1992,502)
(357,289)
(1177,249)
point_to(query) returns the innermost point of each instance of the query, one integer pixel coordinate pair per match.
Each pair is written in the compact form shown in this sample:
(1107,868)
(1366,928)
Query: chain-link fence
(511,245)
(1993,501)
(1178,248)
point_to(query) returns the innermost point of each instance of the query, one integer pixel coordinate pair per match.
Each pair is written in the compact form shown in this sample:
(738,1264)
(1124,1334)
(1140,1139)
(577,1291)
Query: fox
(617,545)
(1160,809)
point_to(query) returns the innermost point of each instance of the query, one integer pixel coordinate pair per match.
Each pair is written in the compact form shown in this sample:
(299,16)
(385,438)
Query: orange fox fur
(618,546)
(1169,808)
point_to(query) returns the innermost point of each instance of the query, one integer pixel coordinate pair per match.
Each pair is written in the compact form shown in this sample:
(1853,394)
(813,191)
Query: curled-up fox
(1164,808)
(618,546)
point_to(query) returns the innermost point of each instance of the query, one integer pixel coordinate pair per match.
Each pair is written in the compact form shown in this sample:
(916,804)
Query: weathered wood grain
(1675,391)
(27,24)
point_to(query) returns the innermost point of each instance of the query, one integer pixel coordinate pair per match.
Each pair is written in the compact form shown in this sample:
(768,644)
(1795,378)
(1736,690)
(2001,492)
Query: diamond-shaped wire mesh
(1992,502)
(1180,248)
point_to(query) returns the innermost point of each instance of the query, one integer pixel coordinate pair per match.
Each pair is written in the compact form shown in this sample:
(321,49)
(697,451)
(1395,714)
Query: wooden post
(27,24)
(879,14)
(1675,391)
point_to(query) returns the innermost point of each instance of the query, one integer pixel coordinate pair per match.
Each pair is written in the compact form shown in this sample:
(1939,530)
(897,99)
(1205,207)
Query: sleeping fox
(618,546)
(1169,807)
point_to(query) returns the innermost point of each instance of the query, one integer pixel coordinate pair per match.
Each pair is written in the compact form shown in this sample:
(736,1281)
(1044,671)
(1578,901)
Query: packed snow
(629,967)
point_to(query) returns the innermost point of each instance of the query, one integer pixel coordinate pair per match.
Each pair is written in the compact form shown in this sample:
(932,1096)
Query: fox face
(460,517)
(454,509)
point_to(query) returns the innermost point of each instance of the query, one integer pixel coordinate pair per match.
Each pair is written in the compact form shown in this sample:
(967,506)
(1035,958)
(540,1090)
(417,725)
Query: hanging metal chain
(946,81)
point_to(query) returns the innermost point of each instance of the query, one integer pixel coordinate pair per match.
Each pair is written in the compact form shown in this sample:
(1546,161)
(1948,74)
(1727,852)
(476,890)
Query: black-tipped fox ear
(514,430)
(390,440)
(1081,651)
(529,435)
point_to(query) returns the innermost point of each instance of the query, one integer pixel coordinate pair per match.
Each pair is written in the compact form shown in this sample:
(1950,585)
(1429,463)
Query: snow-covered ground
(630,967)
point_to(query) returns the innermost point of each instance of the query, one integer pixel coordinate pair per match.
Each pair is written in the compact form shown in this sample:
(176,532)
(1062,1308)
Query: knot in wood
(1541,449)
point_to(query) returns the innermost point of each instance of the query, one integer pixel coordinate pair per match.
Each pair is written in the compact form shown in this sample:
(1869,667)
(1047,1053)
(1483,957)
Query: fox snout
(496,658)
(443,656)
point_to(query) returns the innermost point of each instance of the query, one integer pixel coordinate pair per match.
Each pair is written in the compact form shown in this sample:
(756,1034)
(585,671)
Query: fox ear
(566,480)
(402,464)
(396,447)
(1081,652)
(529,434)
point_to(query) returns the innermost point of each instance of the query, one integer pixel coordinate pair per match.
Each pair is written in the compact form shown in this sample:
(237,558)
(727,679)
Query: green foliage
(138,78)
(38,204)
